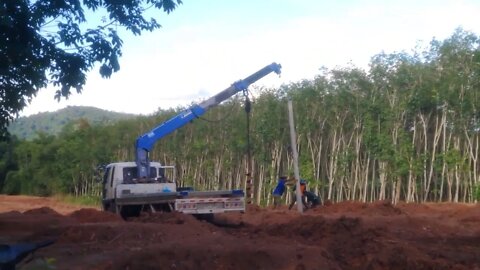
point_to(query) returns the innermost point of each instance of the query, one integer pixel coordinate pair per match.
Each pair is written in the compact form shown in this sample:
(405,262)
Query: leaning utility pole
(293,139)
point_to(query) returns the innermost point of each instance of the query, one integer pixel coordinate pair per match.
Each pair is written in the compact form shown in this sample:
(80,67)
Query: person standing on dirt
(279,190)
(303,189)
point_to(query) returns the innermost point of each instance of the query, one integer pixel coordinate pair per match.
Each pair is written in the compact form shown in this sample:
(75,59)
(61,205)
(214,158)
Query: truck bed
(209,202)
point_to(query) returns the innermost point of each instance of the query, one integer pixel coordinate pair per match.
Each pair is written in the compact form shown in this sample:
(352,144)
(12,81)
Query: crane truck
(143,185)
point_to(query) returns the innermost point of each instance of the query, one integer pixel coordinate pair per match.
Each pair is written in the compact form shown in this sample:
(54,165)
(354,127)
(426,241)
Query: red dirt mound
(42,211)
(89,215)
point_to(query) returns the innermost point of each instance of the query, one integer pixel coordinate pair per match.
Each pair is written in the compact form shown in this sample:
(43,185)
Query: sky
(205,46)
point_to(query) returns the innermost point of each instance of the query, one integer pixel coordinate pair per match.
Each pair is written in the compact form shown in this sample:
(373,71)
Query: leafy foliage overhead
(51,42)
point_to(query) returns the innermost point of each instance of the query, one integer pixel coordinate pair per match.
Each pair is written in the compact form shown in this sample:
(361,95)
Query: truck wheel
(206,217)
(130,211)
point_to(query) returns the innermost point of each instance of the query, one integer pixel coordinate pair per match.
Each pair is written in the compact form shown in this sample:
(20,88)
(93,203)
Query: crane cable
(248,184)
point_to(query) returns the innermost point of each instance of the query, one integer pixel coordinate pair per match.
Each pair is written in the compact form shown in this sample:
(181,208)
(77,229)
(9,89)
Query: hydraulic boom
(145,142)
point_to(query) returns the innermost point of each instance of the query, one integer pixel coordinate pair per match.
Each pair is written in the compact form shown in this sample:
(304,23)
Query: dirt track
(340,236)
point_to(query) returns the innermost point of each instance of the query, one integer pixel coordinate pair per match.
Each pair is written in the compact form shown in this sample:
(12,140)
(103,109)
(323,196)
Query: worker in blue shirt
(280,189)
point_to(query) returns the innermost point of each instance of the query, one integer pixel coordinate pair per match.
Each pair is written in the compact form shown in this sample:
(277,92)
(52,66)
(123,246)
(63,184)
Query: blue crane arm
(145,142)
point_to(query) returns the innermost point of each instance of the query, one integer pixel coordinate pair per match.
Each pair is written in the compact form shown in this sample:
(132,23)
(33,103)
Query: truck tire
(206,217)
(128,211)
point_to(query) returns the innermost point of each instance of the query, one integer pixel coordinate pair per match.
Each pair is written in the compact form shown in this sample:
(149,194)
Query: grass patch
(81,200)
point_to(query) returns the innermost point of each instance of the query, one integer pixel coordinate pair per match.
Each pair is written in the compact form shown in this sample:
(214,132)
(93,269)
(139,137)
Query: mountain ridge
(51,123)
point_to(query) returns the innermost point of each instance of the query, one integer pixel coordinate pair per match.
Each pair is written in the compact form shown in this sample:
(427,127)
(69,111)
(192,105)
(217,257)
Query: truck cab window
(130,173)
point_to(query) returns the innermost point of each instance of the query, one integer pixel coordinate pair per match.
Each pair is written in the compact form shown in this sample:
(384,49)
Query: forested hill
(53,122)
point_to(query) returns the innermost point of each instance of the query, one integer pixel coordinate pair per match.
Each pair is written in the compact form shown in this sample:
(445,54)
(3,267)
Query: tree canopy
(56,42)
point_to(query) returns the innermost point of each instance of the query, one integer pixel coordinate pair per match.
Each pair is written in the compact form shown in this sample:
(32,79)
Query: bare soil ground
(349,235)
